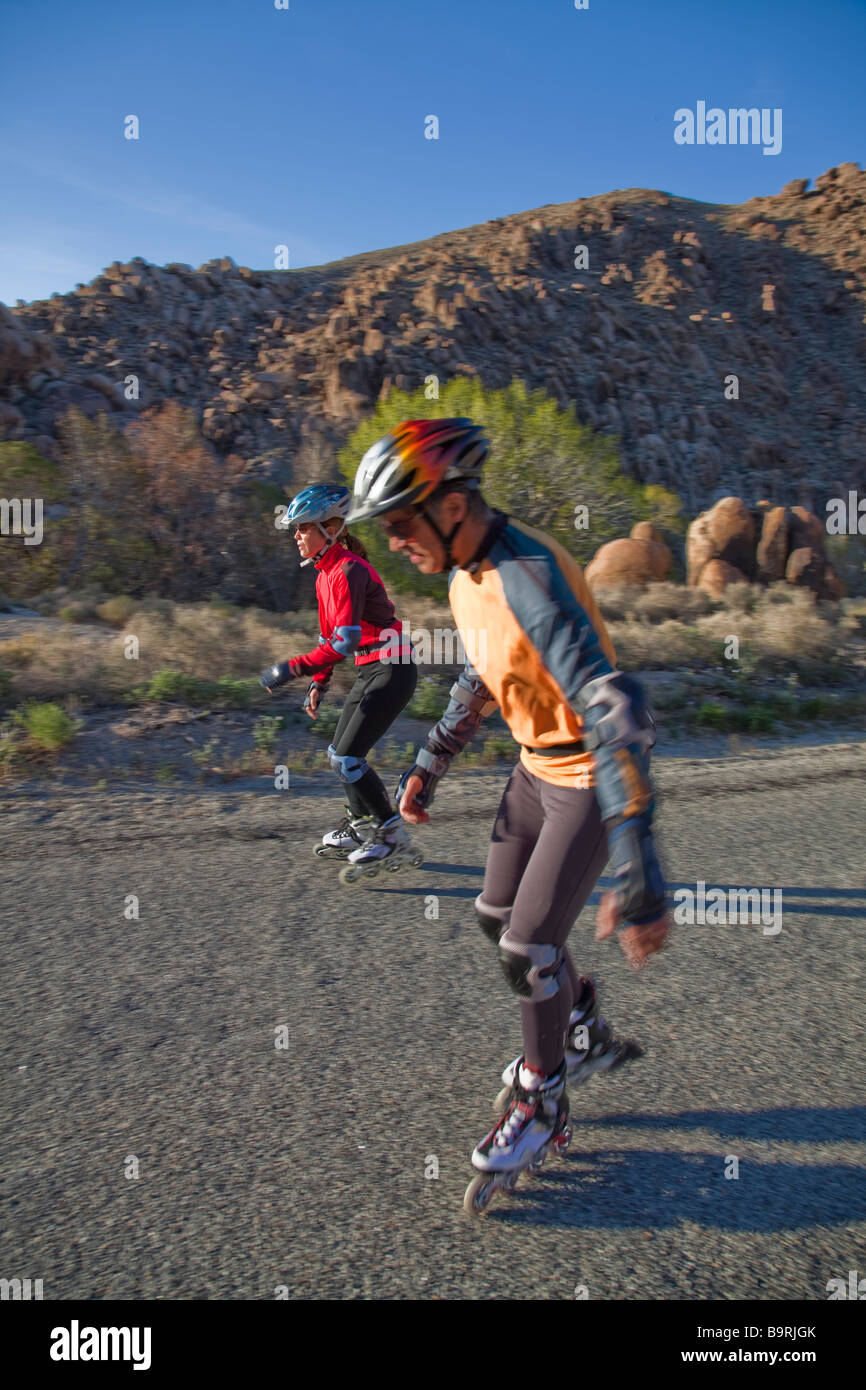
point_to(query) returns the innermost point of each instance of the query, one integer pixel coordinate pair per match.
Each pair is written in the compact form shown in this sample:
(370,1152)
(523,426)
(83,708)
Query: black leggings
(382,690)
(548,848)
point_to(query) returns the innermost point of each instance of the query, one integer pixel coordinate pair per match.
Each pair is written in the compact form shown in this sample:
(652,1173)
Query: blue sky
(305,126)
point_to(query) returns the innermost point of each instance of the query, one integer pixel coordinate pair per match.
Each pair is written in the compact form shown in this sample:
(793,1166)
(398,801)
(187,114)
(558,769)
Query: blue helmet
(318,503)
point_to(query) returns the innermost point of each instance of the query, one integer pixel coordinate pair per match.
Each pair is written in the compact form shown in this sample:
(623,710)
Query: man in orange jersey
(580,793)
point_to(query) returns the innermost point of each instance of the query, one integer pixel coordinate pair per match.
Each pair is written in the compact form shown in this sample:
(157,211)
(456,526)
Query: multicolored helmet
(412,460)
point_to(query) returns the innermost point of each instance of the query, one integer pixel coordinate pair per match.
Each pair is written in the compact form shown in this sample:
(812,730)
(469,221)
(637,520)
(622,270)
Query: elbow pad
(346,640)
(474,702)
(615,713)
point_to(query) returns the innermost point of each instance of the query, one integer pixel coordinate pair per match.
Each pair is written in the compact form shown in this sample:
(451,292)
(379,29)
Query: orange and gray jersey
(541,652)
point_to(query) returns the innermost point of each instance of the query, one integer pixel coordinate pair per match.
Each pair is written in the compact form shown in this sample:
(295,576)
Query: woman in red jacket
(354,611)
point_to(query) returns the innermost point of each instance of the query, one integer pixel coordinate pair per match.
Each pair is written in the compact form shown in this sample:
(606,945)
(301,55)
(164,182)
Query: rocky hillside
(677,296)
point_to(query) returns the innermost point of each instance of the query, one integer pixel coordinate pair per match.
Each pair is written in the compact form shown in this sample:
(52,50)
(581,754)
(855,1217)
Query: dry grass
(787,634)
(780,629)
(654,604)
(16,653)
(198,639)
(659,646)
(665,626)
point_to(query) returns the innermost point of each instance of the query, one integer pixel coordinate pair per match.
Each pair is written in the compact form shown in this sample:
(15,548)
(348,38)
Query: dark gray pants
(546,853)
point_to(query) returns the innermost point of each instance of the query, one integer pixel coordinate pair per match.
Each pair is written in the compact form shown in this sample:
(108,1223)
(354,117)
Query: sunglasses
(402,529)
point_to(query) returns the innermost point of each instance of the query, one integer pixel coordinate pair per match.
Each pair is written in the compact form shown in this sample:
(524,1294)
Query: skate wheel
(500,1105)
(478,1194)
(538,1163)
(416,861)
(349,875)
(562,1142)
(370,873)
(391,866)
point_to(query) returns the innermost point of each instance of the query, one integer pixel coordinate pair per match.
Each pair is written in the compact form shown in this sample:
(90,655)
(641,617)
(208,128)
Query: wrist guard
(275,675)
(638,882)
(314,685)
(429,768)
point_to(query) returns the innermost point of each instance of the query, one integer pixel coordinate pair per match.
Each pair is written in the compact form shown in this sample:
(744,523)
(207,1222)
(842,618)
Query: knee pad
(348,768)
(535,972)
(493,921)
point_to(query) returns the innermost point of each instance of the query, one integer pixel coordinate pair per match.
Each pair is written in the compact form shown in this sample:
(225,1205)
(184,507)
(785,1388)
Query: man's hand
(408,808)
(638,943)
(312,702)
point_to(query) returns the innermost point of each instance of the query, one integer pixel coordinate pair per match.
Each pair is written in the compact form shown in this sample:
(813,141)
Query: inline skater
(354,610)
(580,792)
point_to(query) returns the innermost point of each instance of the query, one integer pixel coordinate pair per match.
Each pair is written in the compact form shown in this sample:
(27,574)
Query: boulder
(110,389)
(645,531)
(732,530)
(806,530)
(806,567)
(725,532)
(628,562)
(716,575)
(773,545)
(699,549)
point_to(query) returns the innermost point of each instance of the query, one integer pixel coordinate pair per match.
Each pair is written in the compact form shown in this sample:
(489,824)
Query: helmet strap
(446,540)
(326,544)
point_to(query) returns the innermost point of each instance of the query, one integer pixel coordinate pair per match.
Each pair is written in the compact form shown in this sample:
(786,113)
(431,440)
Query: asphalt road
(148,1046)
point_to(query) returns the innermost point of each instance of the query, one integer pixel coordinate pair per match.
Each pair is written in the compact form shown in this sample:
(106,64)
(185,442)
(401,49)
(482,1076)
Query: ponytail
(352,543)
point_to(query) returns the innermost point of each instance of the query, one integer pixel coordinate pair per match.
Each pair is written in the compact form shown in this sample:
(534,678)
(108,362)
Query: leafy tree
(25,570)
(104,487)
(185,504)
(543,465)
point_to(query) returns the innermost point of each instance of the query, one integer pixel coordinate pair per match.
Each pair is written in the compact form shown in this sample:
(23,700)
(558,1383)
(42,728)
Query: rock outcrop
(730,544)
(724,345)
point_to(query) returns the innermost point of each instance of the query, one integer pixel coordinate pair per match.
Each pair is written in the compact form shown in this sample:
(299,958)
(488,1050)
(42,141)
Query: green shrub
(77,612)
(713,715)
(47,725)
(496,747)
(266,731)
(116,611)
(429,700)
(220,605)
(756,719)
(169,685)
(205,757)
(326,724)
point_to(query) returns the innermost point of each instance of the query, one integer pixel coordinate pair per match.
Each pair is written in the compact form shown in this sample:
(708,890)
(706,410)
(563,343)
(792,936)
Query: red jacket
(354,610)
